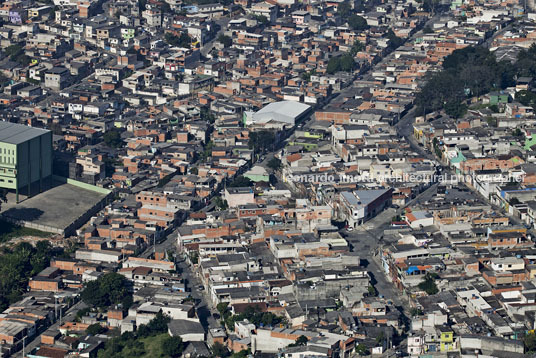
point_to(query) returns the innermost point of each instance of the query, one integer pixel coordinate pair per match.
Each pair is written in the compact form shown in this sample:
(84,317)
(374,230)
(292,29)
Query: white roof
(284,111)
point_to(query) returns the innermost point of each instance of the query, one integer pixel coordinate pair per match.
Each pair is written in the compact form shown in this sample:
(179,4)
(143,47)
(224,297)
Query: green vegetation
(472,71)
(306,76)
(172,346)
(242,354)
(221,203)
(240,181)
(226,41)
(18,265)
(356,47)
(112,138)
(207,151)
(526,98)
(194,257)
(343,63)
(274,164)
(300,341)
(358,23)
(344,9)
(206,115)
(178,41)
(16,54)
(517,132)
(261,141)
(95,329)
(530,342)
(148,341)
(428,285)
(253,315)
(415,312)
(109,289)
(362,350)
(81,313)
(455,109)
(262,19)
(9,231)
(372,291)
(437,149)
(219,351)
(429,5)
(394,41)
(427,30)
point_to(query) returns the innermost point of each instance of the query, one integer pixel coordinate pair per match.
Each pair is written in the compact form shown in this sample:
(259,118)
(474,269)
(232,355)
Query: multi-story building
(25,156)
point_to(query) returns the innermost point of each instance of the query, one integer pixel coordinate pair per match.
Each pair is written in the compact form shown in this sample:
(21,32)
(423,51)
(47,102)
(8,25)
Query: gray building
(57,78)
(25,156)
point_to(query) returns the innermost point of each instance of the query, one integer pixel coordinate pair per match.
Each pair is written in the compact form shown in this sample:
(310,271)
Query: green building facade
(25,156)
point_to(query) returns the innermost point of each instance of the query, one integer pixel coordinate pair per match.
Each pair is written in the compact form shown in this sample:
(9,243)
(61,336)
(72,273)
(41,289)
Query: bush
(172,346)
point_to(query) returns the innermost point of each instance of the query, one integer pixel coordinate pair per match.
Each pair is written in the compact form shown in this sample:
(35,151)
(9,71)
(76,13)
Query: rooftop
(14,133)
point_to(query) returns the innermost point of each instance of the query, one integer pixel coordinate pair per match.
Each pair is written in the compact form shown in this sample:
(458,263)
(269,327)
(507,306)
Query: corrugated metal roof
(14,133)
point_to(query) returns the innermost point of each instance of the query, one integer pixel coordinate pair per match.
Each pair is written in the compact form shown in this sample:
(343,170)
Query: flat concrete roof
(57,207)
(14,133)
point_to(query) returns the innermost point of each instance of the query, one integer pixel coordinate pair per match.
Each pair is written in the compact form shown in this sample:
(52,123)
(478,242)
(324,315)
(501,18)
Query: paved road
(36,341)
(222,22)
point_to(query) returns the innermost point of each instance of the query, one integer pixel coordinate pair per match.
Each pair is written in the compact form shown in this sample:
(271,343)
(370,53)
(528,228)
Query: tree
(241,181)
(372,290)
(344,63)
(95,329)
(429,5)
(415,312)
(362,350)
(358,23)
(455,109)
(221,203)
(206,115)
(530,342)
(219,350)
(112,138)
(517,132)
(226,41)
(306,76)
(427,30)
(344,9)
(262,19)
(274,164)
(242,354)
(261,141)
(428,285)
(526,98)
(3,197)
(222,308)
(172,346)
(356,47)
(514,201)
(347,63)
(18,264)
(183,40)
(111,288)
(300,341)
(394,41)
(494,108)
(194,171)
(13,50)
